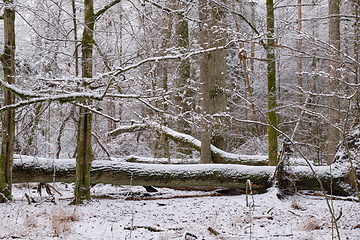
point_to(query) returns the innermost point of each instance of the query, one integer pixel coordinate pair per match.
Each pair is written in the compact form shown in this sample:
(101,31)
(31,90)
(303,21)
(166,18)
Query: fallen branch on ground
(192,143)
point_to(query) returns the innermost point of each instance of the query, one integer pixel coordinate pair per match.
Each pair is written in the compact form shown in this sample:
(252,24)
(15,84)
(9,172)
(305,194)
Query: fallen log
(116,172)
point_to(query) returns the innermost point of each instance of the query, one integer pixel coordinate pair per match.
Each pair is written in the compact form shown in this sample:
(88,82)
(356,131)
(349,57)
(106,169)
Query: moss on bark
(8,116)
(271,80)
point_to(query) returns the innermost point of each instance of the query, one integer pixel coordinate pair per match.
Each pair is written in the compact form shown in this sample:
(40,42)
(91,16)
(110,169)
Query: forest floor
(129,212)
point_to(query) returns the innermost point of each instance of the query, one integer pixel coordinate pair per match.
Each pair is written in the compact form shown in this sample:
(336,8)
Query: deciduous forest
(119,102)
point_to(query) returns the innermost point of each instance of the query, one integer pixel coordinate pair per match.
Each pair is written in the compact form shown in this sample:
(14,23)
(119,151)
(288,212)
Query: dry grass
(311,224)
(30,221)
(61,219)
(295,203)
(25,186)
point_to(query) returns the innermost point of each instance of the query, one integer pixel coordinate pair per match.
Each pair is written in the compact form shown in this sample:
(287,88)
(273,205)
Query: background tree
(149,51)
(8,116)
(84,154)
(334,103)
(204,13)
(271,81)
(217,73)
(185,96)
(212,75)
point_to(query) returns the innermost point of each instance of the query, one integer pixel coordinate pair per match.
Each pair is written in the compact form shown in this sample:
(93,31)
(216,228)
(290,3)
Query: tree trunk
(32,148)
(76,52)
(111,111)
(242,57)
(27,169)
(204,10)
(61,130)
(334,103)
(271,79)
(162,75)
(357,57)
(185,94)
(8,116)
(299,59)
(212,77)
(217,74)
(84,148)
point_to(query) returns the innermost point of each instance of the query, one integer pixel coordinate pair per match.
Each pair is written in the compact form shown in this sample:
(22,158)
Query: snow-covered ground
(172,214)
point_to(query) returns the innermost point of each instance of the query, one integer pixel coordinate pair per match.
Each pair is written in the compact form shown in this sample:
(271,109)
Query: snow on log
(194,143)
(119,172)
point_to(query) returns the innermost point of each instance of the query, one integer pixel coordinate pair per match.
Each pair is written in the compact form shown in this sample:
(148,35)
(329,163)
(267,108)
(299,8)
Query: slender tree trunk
(8,116)
(334,103)
(204,10)
(111,111)
(184,94)
(162,148)
(84,148)
(61,131)
(32,148)
(252,46)
(357,58)
(271,79)
(242,57)
(76,52)
(111,104)
(299,60)
(167,32)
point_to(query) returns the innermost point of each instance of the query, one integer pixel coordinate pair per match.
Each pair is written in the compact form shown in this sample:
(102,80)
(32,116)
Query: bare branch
(98,14)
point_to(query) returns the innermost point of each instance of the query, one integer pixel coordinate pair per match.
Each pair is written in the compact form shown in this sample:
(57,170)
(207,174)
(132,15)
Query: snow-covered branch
(181,56)
(191,142)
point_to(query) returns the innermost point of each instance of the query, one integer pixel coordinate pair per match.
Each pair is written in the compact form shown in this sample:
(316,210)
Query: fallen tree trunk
(28,169)
(193,143)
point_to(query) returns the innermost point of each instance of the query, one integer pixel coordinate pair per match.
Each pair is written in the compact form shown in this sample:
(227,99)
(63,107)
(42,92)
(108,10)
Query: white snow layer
(168,217)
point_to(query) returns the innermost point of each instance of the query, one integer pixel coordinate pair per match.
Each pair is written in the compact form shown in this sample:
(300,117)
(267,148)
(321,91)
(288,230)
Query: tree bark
(299,59)
(114,172)
(217,74)
(185,94)
(8,116)
(84,155)
(76,52)
(61,131)
(161,148)
(334,102)
(271,80)
(204,11)
(242,57)
(355,6)
(212,77)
